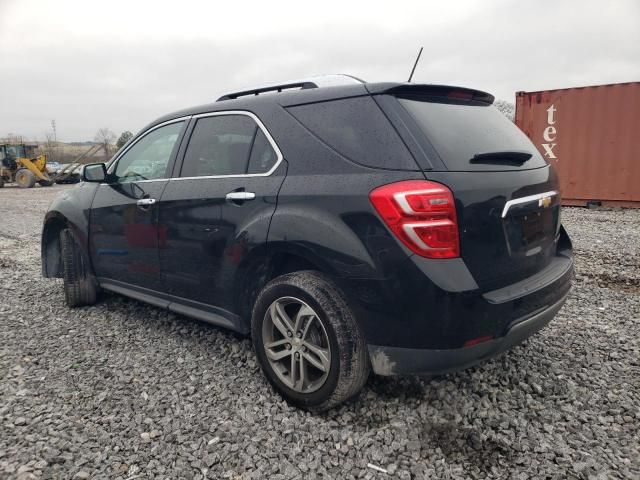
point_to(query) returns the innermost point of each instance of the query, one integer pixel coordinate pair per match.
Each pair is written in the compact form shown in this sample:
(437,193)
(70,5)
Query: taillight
(422,215)
(460,95)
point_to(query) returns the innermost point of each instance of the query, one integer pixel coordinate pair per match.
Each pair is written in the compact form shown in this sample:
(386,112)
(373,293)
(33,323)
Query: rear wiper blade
(509,157)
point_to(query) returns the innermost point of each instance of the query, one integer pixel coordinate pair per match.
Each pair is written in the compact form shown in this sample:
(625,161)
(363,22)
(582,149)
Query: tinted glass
(460,131)
(148,158)
(263,156)
(219,145)
(357,129)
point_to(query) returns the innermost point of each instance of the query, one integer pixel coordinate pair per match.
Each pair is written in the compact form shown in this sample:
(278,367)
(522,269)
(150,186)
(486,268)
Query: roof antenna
(415,65)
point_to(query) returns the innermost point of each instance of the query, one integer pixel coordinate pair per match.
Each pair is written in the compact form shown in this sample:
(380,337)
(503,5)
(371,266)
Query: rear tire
(25,178)
(331,351)
(80,286)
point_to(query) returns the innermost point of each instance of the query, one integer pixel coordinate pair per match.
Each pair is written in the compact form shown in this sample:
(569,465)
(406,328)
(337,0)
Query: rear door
(123,224)
(217,207)
(507,197)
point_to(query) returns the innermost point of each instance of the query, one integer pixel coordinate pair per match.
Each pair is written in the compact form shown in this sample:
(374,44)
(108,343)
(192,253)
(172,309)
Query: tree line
(66,152)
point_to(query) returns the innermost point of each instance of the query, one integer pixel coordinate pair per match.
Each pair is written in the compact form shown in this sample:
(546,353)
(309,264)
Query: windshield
(15,151)
(472,136)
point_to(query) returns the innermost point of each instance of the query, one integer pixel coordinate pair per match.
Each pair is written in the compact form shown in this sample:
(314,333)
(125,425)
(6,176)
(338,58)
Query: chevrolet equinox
(346,226)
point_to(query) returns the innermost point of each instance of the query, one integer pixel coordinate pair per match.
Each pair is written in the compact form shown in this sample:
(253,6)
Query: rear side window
(219,145)
(460,131)
(263,157)
(357,129)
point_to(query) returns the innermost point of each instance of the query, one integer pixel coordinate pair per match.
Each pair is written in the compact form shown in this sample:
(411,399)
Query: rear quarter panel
(324,216)
(324,209)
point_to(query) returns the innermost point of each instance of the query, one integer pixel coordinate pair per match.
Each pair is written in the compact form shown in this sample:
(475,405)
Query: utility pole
(55,139)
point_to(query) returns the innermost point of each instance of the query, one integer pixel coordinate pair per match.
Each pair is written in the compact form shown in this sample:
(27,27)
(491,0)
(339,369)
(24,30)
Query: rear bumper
(411,361)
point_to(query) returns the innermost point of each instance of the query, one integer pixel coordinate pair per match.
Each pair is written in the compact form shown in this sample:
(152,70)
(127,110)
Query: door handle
(146,202)
(240,196)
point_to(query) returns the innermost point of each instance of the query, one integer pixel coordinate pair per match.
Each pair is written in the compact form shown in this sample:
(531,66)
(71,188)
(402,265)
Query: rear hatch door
(502,242)
(507,197)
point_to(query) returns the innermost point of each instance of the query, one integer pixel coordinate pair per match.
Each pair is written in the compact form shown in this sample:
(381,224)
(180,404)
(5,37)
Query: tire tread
(354,360)
(80,287)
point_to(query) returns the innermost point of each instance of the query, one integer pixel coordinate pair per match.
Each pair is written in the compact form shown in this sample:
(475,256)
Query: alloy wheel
(296,344)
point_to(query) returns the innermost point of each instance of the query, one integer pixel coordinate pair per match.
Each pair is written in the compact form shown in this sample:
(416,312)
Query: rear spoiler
(441,91)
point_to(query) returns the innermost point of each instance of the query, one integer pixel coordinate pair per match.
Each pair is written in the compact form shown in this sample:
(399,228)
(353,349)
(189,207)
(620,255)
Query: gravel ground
(123,390)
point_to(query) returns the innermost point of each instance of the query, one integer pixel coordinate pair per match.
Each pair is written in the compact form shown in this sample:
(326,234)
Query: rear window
(459,131)
(357,129)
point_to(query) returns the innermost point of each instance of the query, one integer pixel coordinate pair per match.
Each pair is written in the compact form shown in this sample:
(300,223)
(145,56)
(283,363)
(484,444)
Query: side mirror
(94,172)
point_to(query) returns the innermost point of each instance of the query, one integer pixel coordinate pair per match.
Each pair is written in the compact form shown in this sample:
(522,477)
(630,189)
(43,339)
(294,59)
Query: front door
(218,208)
(123,224)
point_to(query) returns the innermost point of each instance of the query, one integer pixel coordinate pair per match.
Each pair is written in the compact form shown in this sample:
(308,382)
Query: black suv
(403,228)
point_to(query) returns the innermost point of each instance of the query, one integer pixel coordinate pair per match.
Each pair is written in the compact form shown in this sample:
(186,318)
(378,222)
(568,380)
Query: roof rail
(332,80)
(274,88)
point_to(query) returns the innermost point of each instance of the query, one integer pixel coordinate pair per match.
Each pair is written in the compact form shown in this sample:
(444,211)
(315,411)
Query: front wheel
(80,286)
(308,342)
(25,178)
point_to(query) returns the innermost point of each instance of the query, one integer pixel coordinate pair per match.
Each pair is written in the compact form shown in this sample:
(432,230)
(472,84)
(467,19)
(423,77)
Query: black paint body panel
(198,254)
(208,237)
(124,237)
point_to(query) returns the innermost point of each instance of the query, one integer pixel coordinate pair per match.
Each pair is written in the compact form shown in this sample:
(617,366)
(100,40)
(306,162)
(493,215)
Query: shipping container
(592,136)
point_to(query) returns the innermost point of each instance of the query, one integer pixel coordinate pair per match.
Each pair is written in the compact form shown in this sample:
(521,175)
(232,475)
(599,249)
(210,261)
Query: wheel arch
(51,254)
(50,245)
(267,263)
(70,209)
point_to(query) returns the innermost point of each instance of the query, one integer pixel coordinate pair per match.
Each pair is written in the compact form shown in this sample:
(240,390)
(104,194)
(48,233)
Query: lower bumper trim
(388,361)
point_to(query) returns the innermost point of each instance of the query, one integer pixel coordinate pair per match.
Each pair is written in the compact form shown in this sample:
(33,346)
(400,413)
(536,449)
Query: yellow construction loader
(19,164)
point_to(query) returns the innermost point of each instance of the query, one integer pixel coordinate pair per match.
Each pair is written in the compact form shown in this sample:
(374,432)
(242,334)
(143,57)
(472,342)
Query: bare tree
(12,138)
(50,147)
(106,139)
(508,109)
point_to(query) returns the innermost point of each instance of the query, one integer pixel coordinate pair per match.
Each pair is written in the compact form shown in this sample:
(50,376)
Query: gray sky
(119,64)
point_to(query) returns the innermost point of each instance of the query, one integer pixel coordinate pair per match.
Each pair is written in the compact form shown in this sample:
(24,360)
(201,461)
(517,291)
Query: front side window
(148,158)
(227,145)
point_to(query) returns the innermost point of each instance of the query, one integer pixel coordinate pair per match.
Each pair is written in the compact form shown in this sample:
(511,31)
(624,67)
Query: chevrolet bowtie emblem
(544,202)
